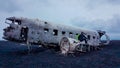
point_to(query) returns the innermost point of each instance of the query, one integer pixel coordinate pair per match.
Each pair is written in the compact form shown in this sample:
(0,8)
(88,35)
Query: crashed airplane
(35,31)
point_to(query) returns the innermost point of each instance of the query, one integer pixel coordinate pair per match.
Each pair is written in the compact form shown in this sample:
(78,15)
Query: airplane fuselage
(42,32)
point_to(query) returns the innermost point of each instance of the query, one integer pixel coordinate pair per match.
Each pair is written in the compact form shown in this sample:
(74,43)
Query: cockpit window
(9,21)
(17,23)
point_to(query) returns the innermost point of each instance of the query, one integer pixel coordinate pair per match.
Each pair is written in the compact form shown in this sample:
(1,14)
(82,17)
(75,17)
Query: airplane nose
(4,33)
(4,29)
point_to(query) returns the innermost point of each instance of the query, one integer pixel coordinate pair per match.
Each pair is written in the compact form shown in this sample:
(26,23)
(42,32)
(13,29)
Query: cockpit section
(12,31)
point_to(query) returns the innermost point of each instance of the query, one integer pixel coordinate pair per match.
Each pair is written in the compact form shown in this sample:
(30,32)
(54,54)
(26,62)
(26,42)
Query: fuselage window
(38,33)
(70,33)
(55,32)
(46,30)
(63,32)
(45,22)
(93,37)
(76,33)
(33,32)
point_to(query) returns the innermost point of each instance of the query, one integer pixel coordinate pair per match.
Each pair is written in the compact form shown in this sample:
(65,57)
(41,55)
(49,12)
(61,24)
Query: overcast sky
(89,14)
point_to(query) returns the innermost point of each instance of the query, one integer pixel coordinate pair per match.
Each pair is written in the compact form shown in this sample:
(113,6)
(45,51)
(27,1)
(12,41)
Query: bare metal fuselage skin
(42,32)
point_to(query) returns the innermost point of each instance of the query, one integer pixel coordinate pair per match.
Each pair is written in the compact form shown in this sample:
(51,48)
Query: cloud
(111,26)
(115,24)
(8,6)
(114,2)
(101,2)
(99,24)
(91,14)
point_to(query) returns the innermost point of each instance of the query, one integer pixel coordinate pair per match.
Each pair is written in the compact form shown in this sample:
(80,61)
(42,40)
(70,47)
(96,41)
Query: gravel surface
(15,55)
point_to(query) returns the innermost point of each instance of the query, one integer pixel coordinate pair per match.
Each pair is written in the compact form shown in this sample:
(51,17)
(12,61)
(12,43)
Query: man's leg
(85,41)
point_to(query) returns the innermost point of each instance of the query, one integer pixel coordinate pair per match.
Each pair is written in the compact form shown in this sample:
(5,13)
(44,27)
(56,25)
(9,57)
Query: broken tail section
(103,33)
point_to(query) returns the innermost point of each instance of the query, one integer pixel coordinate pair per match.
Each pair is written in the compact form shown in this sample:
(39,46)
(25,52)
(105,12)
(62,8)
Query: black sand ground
(14,55)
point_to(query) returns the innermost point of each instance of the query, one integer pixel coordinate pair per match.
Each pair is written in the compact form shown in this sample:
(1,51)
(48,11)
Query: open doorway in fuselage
(24,34)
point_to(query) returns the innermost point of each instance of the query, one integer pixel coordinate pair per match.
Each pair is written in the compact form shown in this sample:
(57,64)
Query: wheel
(78,47)
(64,46)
